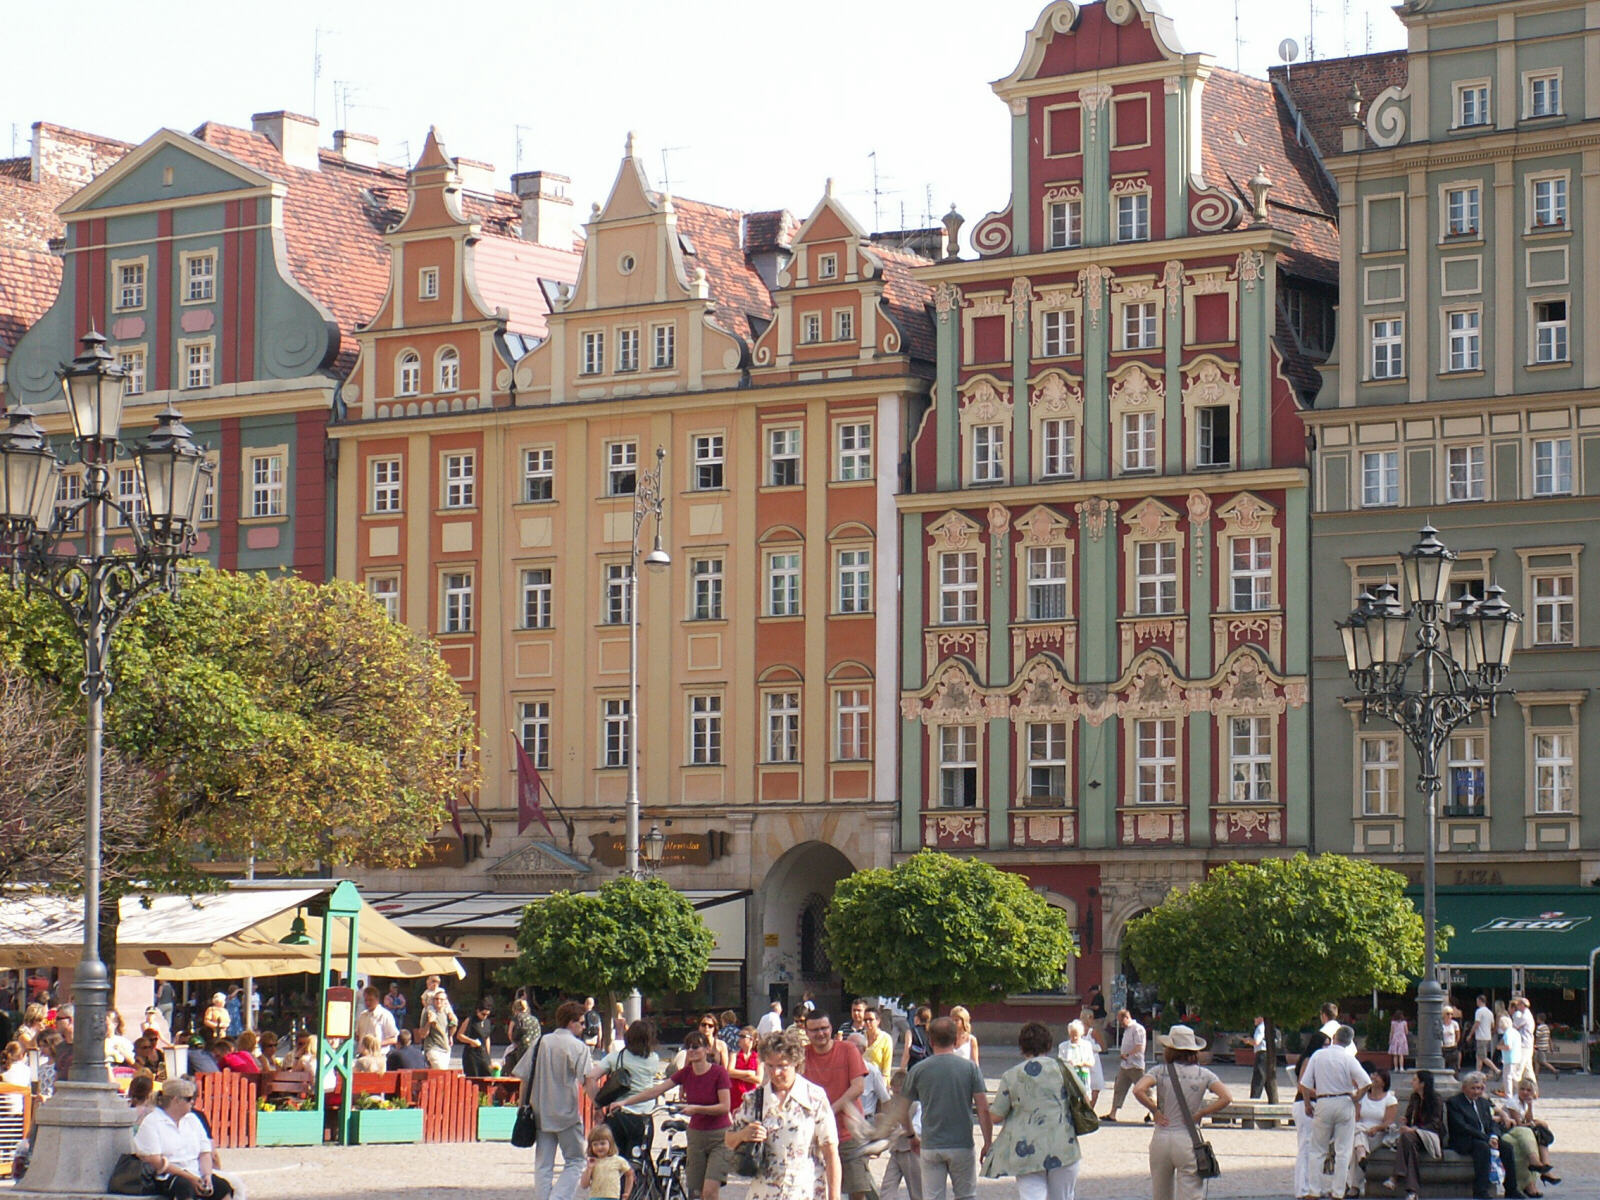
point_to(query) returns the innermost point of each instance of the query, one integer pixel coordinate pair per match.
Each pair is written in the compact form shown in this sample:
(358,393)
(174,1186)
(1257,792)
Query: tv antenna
(519,132)
(666,172)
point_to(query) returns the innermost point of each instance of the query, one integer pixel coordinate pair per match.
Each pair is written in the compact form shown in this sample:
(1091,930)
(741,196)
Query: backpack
(919,1045)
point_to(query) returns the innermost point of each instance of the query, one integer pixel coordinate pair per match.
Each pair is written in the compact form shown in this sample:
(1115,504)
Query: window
(783,727)
(958,766)
(1139,325)
(131,364)
(1133,217)
(1472,104)
(428,283)
(1550,331)
(1552,773)
(208,490)
(538,596)
(617,605)
(460,480)
(385,589)
(1465,776)
(988,454)
(1549,203)
(594,352)
(1552,467)
(855,451)
(844,325)
(705,575)
(616,733)
(1554,609)
(1544,96)
(622,465)
(266,485)
(1139,441)
(708,462)
(1047,583)
(705,731)
(1250,760)
(664,345)
(783,584)
(1215,433)
(457,602)
(129,496)
(1380,478)
(533,718)
(1155,574)
(1060,438)
(855,581)
(1047,761)
(197,357)
(627,350)
(810,328)
(69,493)
(200,277)
(1380,776)
(1155,762)
(827,266)
(1064,223)
(538,474)
(958,587)
(1058,330)
(1388,348)
(1464,466)
(130,285)
(852,724)
(1461,211)
(1250,573)
(386,485)
(410,374)
(449,370)
(783,457)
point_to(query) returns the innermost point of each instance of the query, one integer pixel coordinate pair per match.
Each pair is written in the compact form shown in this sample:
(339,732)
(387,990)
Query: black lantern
(93,385)
(1353,634)
(171,469)
(1427,568)
(654,846)
(1495,630)
(1385,627)
(29,473)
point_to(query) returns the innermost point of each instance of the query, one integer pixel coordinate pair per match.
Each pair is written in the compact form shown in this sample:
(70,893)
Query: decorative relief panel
(1246,826)
(1030,828)
(954,830)
(946,299)
(1153,827)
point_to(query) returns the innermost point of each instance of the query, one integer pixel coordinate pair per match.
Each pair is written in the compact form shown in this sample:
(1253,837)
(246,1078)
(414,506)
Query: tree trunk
(1270,1070)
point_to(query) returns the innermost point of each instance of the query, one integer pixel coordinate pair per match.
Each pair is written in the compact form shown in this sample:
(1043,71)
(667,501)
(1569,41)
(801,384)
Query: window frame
(187,348)
(791,454)
(141,287)
(1388,495)
(1463,220)
(853,451)
(533,725)
(1530,80)
(1151,579)
(1137,210)
(389,599)
(780,726)
(268,499)
(136,377)
(1560,757)
(663,345)
(1258,758)
(1052,755)
(1047,582)
(988,454)
(859,712)
(1070,211)
(1140,438)
(1391,340)
(538,597)
(782,579)
(1155,761)
(708,462)
(1256,574)
(622,464)
(1558,202)
(628,349)
(408,374)
(957,759)
(1383,770)
(616,732)
(1560,473)
(428,283)
(188,260)
(616,594)
(592,352)
(447,370)
(538,464)
(1466,482)
(1139,328)
(961,595)
(705,729)
(1058,447)
(1481,88)
(386,485)
(457,600)
(1557,347)
(458,480)
(707,587)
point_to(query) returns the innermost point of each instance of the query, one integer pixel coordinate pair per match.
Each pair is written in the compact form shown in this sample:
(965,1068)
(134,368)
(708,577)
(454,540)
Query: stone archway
(790,959)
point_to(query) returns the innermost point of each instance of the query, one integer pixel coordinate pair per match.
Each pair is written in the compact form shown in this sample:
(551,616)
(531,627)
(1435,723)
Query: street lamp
(1456,670)
(648,499)
(654,848)
(62,553)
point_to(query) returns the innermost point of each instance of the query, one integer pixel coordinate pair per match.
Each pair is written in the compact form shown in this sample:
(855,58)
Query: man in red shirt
(838,1069)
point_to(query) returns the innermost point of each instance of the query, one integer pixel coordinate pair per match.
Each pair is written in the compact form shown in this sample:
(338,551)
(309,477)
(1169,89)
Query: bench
(228,1100)
(16,1121)
(1447,1176)
(1254,1114)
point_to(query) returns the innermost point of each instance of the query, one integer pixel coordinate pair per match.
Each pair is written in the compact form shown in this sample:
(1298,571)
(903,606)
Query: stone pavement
(1254,1162)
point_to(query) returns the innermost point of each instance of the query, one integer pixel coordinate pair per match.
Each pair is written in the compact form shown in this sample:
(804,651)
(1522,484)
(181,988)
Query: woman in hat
(1173,1172)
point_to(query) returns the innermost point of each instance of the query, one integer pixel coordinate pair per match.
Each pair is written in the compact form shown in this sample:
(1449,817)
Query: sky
(750,105)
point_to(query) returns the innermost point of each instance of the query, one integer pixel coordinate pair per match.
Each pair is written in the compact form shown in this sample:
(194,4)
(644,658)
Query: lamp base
(76,1141)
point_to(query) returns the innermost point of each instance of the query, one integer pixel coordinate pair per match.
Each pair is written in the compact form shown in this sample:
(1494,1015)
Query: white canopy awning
(222,934)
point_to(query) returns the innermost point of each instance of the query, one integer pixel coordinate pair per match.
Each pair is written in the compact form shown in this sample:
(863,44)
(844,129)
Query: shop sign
(1545,922)
(681,850)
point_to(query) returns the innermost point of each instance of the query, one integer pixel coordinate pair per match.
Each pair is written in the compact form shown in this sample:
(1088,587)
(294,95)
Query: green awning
(1554,927)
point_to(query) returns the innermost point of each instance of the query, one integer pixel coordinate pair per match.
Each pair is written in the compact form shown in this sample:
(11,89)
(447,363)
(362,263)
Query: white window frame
(1206,439)
(198,270)
(853,449)
(960,576)
(132,360)
(538,475)
(958,766)
(781,727)
(1139,442)
(616,594)
(852,724)
(827,266)
(130,292)
(1472,98)
(1155,577)
(616,730)
(708,459)
(706,579)
(533,731)
(1466,472)
(783,583)
(1141,325)
(538,598)
(1059,447)
(459,475)
(783,447)
(1250,573)
(130,495)
(1250,760)
(1548,203)
(456,601)
(447,370)
(853,571)
(1131,217)
(844,324)
(1045,772)
(1536,107)
(1467,752)
(1388,339)
(1048,583)
(593,354)
(1063,224)
(428,283)
(1551,335)
(988,453)
(810,328)
(1552,466)
(266,475)
(385,590)
(385,480)
(1380,478)
(1555,771)
(1155,760)
(1463,210)
(663,346)
(705,729)
(1058,333)
(408,374)
(1553,606)
(199,357)
(1463,339)
(622,467)
(1378,765)
(627,349)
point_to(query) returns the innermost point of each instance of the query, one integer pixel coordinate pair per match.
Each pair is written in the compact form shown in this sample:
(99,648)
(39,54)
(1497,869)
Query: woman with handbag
(1177,1171)
(788,1125)
(1530,1137)
(632,1069)
(1037,1143)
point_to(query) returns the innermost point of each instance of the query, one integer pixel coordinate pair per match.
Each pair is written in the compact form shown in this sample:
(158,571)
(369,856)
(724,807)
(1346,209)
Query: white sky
(752,105)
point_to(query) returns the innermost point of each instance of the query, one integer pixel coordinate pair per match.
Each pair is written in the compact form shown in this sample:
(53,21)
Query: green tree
(956,930)
(633,933)
(1279,937)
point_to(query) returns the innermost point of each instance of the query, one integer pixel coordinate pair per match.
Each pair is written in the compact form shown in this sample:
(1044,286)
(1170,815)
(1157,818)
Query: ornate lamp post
(648,500)
(62,552)
(1455,671)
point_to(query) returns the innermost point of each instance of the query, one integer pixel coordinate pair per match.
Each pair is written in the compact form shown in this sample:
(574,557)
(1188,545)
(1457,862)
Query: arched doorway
(792,958)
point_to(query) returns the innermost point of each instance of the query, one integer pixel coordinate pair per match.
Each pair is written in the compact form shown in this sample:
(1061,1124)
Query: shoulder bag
(132,1176)
(615,1084)
(1083,1116)
(525,1129)
(1205,1158)
(750,1157)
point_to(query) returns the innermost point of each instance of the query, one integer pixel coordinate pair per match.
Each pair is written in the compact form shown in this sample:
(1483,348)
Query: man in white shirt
(771,1020)
(563,1061)
(376,1020)
(875,1093)
(1522,1022)
(1483,1034)
(1266,1064)
(1328,1087)
(1130,1060)
(1330,1020)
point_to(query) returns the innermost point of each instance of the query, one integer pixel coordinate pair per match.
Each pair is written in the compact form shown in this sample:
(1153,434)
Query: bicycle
(660,1176)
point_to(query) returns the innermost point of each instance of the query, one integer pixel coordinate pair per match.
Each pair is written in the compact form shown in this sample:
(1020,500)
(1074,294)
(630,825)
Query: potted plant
(495,1117)
(376,1119)
(288,1121)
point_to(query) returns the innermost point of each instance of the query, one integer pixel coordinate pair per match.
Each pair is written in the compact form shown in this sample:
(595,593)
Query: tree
(1279,937)
(633,933)
(956,930)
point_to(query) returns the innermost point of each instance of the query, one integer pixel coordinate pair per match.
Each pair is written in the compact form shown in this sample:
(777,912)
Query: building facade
(1104,663)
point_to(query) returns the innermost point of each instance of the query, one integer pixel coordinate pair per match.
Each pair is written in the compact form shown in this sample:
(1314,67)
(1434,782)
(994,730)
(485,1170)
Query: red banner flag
(529,785)
(455,818)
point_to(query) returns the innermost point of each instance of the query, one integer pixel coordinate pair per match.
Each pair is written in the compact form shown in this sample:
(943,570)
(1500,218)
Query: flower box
(289,1128)
(495,1122)
(373,1125)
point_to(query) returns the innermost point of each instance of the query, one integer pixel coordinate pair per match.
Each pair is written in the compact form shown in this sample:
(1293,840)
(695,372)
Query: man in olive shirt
(949,1087)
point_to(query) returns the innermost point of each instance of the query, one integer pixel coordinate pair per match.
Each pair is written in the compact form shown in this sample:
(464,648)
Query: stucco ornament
(1092,283)
(946,299)
(1056,393)
(1092,515)
(954,532)
(984,402)
(1093,98)
(1021,296)
(1252,266)
(1172,284)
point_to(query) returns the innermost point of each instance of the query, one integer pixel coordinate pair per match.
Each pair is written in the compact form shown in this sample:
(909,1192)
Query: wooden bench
(285,1083)
(228,1100)
(1254,1114)
(449,1104)
(16,1121)
(1447,1176)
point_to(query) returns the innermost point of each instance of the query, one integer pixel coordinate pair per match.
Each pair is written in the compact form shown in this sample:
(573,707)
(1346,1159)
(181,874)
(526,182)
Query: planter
(372,1125)
(1244,1056)
(494,1123)
(289,1128)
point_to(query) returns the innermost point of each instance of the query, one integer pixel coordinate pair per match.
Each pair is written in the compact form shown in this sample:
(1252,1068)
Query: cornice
(1357,165)
(1059,491)
(1462,406)
(1005,266)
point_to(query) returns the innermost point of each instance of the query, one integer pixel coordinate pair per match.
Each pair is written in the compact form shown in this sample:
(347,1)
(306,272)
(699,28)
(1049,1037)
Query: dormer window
(827,266)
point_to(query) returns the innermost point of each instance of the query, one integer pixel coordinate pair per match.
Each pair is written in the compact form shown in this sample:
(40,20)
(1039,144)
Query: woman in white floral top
(793,1117)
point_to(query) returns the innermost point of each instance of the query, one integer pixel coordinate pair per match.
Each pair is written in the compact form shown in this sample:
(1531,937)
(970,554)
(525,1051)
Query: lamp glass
(1427,569)
(654,846)
(93,385)
(171,468)
(28,477)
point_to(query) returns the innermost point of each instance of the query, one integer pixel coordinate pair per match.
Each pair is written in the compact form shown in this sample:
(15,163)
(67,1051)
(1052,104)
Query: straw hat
(1181,1037)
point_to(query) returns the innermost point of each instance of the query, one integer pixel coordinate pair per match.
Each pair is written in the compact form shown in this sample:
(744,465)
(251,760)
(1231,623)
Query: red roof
(908,300)
(738,292)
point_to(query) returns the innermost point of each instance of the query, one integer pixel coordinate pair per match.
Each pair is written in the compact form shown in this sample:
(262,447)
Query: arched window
(410,374)
(813,958)
(449,370)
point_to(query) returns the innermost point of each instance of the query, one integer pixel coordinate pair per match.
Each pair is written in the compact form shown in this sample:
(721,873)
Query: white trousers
(1303,1186)
(1332,1126)
(1055,1184)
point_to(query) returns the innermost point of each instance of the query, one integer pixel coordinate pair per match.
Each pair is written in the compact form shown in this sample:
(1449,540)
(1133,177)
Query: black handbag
(1205,1158)
(750,1158)
(132,1176)
(615,1085)
(525,1129)
(1084,1118)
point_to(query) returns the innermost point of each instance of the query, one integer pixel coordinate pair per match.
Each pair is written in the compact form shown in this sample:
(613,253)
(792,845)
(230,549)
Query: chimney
(476,176)
(546,208)
(361,149)
(294,136)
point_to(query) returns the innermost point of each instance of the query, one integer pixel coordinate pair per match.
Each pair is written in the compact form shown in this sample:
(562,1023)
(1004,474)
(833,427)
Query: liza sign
(1546,922)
